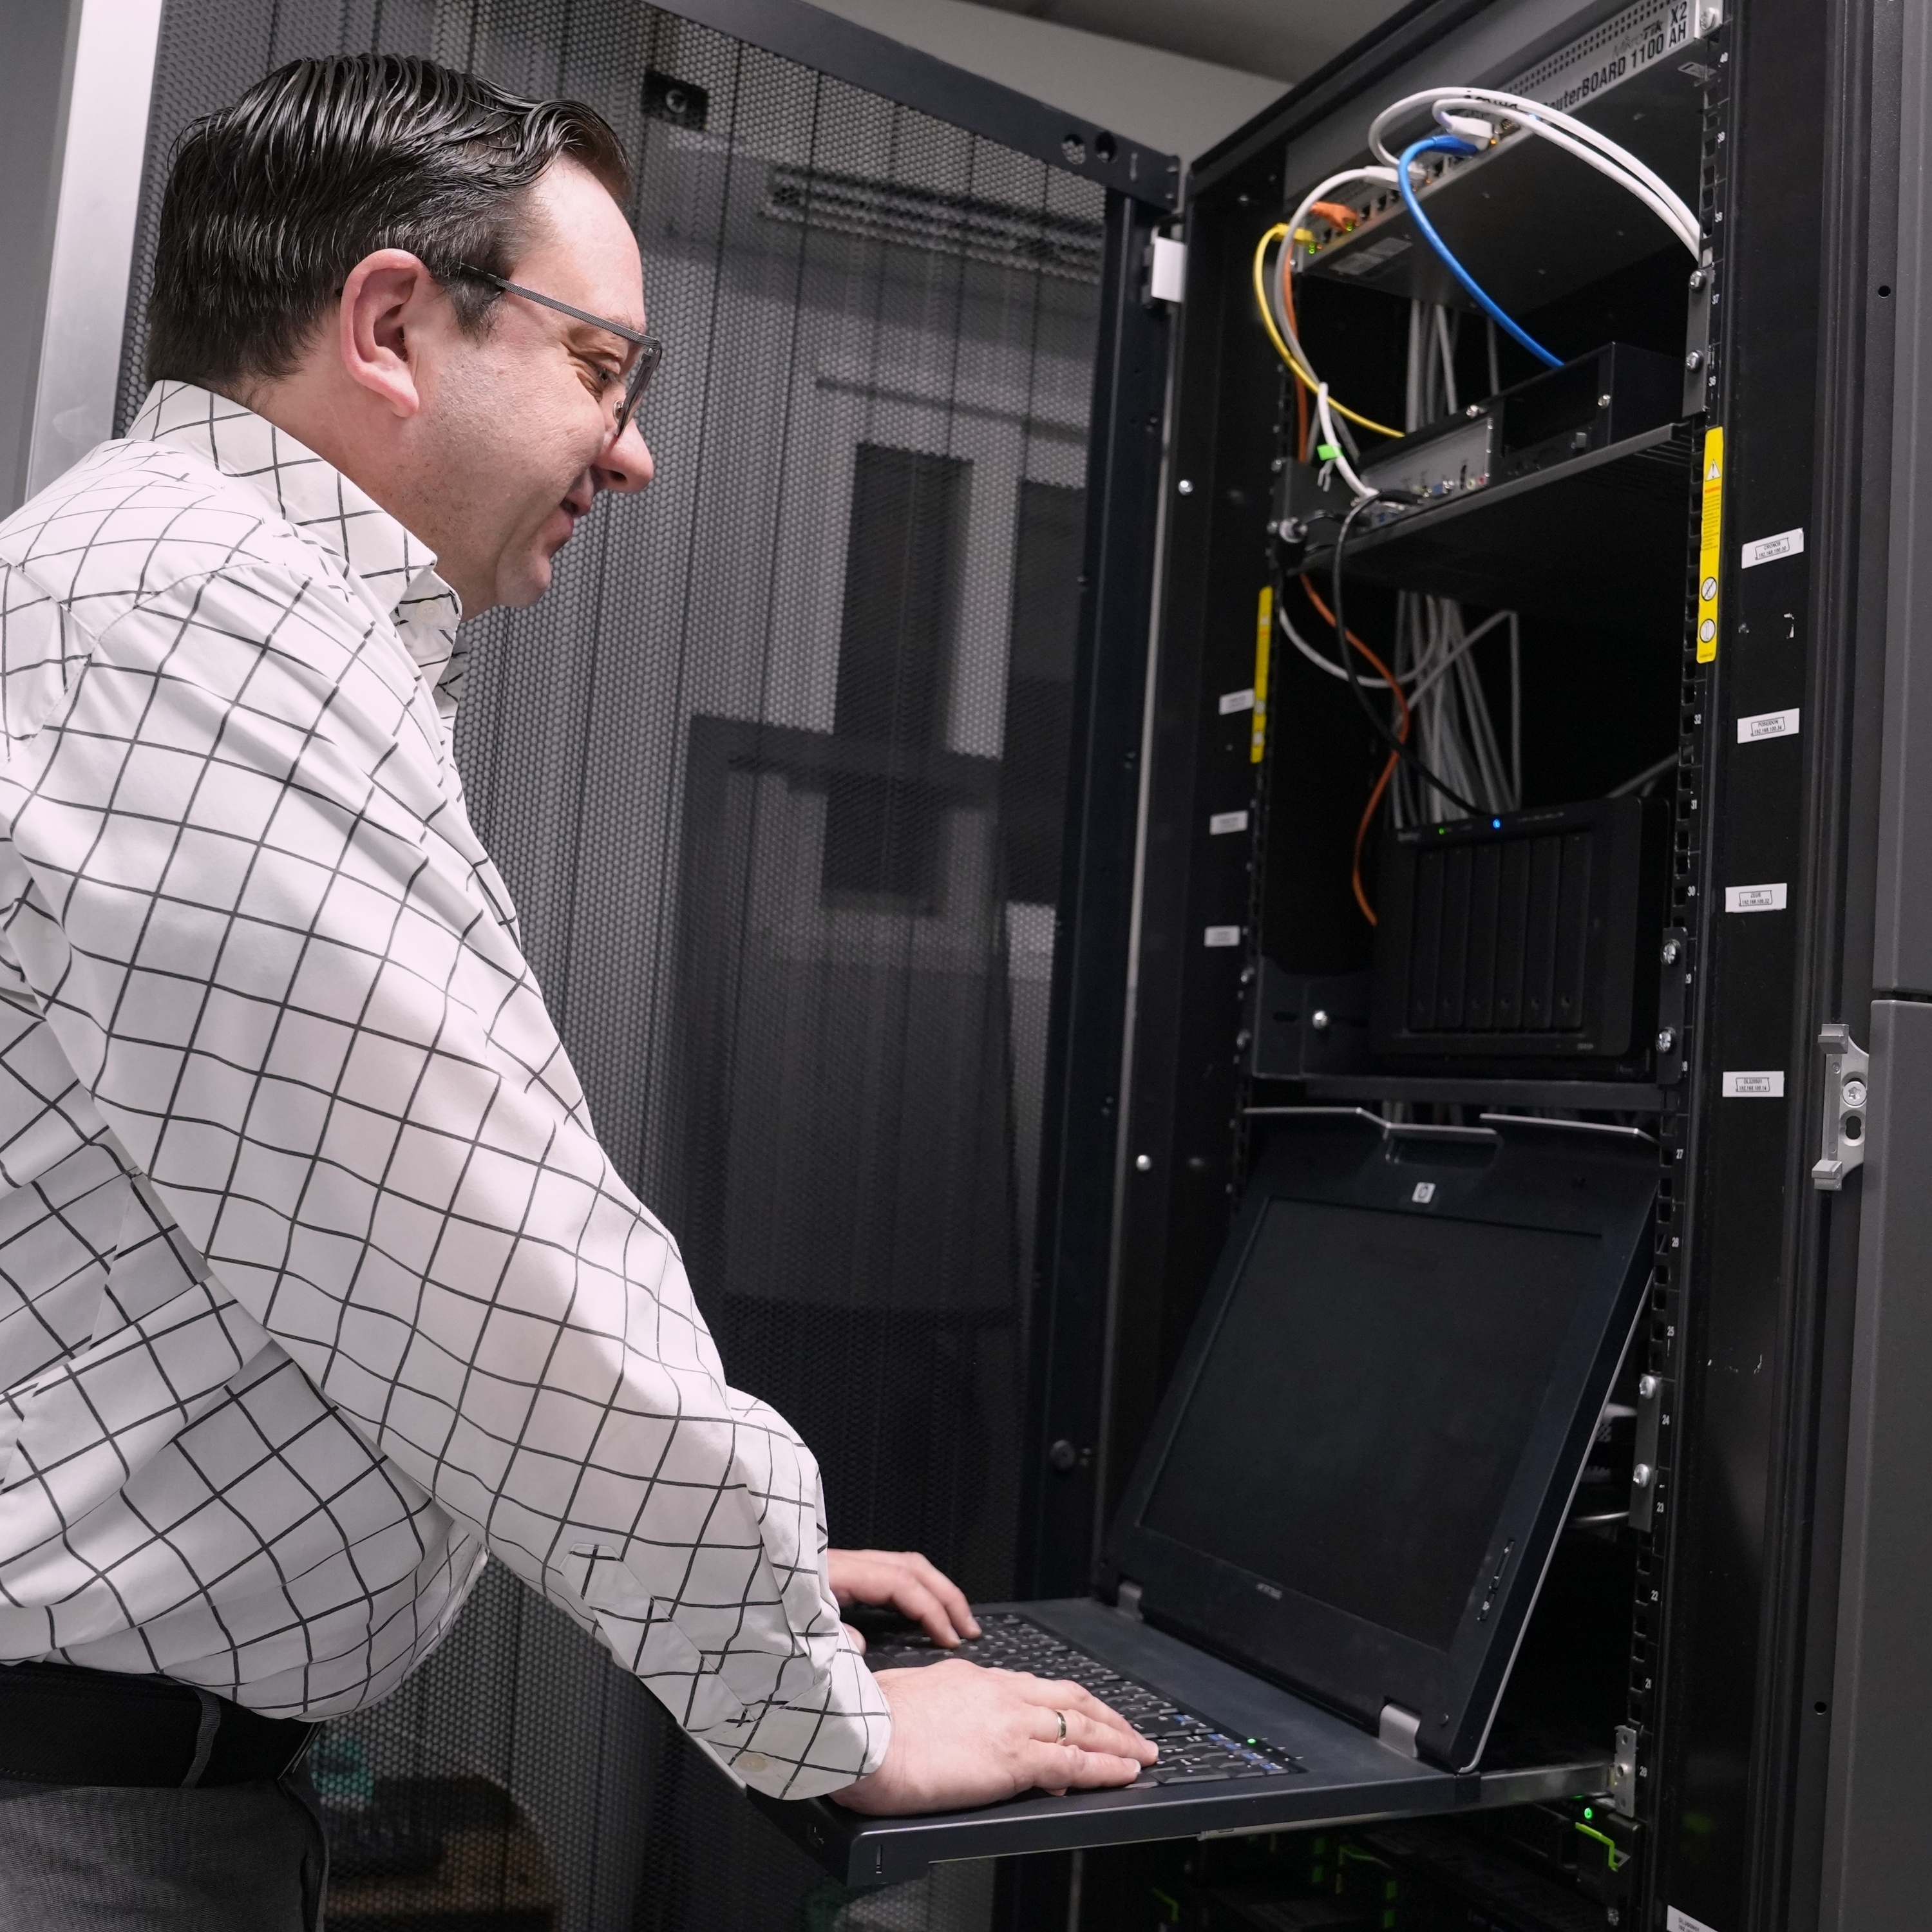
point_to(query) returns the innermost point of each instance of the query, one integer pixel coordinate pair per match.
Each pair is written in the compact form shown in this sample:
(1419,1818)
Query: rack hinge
(1847,1085)
(1399,1729)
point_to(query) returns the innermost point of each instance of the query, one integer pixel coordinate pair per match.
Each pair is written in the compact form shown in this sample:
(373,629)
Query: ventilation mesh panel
(821,1064)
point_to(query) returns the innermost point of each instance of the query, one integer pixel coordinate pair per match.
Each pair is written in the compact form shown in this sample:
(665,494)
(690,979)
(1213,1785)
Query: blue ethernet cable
(1451,144)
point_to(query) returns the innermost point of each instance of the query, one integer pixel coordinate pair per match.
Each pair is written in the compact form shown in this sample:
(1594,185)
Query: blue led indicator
(1497,822)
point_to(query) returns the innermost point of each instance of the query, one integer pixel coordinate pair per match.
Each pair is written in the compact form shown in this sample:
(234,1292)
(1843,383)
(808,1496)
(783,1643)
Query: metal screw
(1603,402)
(1855,1093)
(1143,1163)
(1671,950)
(1186,488)
(1696,278)
(1063,1456)
(1474,409)
(1318,1020)
(1641,1476)
(1695,360)
(1647,1386)
(1666,1038)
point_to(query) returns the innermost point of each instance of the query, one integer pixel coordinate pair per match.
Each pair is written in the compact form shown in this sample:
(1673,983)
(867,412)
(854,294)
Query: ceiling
(1283,39)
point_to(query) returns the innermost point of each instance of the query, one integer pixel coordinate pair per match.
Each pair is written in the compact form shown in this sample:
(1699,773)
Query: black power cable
(1396,743)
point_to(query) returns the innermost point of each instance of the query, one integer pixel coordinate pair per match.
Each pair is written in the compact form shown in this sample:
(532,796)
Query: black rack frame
(1746,1708)
(1776,1713)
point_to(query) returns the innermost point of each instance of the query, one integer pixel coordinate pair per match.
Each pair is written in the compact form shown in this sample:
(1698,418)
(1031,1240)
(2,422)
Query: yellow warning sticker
(1264,650)
(1710,546)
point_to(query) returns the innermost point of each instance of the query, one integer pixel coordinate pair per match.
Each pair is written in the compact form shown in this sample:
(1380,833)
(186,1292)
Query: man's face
(517,424)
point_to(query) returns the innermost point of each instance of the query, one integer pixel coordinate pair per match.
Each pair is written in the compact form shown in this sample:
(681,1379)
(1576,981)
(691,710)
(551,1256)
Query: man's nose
(626,463)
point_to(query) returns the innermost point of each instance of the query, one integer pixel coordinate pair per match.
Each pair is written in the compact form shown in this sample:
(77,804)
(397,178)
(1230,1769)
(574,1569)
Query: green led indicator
(1589,1811)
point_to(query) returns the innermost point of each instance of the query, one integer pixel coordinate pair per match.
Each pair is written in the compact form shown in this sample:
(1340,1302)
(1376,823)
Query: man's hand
(963,1735)
(902,1580)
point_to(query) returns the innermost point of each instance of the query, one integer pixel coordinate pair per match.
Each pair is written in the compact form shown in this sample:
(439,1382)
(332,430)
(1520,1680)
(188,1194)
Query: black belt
(62,1725)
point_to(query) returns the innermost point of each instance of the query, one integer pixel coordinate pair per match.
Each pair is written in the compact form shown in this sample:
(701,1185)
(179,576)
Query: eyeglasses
(650,350)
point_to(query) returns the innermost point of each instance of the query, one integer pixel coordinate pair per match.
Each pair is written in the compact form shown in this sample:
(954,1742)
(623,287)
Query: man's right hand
(963,1735)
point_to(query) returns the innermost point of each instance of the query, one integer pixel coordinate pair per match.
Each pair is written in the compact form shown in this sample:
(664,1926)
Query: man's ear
(389,300)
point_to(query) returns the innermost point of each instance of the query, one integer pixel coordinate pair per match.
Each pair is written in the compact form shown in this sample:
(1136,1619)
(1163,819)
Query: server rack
(1773,1687)
(1768,1702)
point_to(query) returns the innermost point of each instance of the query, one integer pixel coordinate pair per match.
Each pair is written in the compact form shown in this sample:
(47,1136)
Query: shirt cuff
(795,1750)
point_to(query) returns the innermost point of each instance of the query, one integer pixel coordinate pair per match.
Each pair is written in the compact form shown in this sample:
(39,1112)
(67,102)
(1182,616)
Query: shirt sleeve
(243,890)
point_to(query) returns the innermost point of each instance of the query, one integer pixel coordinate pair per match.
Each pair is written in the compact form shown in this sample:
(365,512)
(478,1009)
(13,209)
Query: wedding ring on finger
(1062,1716)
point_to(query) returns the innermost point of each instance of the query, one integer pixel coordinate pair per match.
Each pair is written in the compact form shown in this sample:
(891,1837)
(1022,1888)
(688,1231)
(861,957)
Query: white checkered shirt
(315,1285)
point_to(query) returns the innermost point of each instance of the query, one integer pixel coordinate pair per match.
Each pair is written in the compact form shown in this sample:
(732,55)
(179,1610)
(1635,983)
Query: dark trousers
(233,1858)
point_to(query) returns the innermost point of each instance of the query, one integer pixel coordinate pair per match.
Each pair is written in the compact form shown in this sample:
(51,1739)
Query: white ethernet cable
(1333,441)
(1454,107)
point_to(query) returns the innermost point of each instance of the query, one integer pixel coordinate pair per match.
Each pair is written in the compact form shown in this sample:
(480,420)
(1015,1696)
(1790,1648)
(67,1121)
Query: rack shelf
(1606,1096)
(1600,538)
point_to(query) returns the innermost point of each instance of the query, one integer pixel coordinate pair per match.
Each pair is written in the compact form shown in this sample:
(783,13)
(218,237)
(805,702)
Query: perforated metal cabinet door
(766,893)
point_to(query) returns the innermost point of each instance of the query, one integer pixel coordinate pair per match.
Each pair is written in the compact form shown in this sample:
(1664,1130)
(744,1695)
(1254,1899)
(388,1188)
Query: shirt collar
(324,505)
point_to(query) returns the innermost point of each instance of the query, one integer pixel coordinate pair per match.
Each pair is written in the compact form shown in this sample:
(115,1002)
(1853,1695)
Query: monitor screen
(1364,1403)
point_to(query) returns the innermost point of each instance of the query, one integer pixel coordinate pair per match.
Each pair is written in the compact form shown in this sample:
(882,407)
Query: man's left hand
(902,1580)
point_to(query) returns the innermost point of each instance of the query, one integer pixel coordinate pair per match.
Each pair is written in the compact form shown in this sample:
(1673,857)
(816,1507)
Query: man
(315,1286)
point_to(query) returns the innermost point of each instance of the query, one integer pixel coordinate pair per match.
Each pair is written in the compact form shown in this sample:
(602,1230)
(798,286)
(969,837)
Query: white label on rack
(1223,935)
(1236,700)
(1769,550)
(1754,1086)
(1767,725)
(1754,898)
(1228,821)
(1681,1922)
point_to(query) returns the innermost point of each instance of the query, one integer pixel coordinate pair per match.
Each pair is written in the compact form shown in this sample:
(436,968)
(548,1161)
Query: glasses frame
(650,349)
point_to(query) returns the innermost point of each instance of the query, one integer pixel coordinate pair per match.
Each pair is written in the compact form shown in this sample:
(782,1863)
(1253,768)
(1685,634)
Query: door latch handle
(1847,1088)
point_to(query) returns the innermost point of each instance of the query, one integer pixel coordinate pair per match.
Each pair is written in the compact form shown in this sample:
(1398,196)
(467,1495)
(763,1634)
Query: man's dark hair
(270,202)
